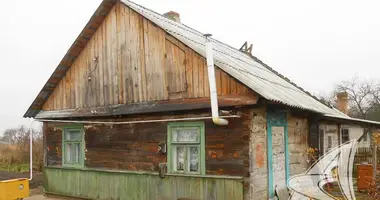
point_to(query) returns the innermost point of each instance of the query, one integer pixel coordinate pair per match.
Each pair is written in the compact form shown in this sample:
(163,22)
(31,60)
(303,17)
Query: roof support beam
(148,107)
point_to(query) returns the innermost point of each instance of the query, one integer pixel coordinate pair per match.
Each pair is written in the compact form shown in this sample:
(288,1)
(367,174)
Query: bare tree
(363,97)
(20,138)
(360,96)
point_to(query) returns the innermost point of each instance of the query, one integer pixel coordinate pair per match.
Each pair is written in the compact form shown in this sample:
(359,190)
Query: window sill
(206,176)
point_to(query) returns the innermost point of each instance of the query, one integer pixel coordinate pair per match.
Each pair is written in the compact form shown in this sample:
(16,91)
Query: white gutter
(211,78)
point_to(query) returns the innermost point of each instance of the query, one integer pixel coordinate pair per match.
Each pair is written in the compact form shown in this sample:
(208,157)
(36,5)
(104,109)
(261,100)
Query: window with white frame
(186,148)
(73,145)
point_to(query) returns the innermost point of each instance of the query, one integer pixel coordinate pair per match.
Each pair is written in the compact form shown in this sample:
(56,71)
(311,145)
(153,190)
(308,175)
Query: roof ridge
(288,80)
(292,95)
(237,50)
(232,49)
(194,30)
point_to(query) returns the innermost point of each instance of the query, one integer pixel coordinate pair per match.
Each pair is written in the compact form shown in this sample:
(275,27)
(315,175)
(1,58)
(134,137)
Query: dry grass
(15,157)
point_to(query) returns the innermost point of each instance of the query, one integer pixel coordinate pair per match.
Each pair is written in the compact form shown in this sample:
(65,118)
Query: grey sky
(314,43)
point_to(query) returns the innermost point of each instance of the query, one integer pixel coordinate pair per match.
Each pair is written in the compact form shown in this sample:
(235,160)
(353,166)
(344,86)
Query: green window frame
(190,148)
(73,147)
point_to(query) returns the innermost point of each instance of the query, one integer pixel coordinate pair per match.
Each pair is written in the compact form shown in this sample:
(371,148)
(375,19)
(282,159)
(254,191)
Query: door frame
(278,119)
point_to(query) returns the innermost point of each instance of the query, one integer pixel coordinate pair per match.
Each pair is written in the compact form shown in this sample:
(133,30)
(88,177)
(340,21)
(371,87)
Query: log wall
(134,146)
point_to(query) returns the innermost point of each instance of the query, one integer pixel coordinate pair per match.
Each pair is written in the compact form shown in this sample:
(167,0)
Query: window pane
(186,134)
(329,142)
(73,135)
(345,135)
(180,158)
(72,153)
(194,159)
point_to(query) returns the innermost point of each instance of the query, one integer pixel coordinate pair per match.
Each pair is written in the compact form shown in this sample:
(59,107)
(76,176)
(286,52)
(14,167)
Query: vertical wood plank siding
(107,185)
(129,59)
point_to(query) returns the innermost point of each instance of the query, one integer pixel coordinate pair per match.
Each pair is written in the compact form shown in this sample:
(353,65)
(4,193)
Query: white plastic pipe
(212,83)
(133,122)
(31,151)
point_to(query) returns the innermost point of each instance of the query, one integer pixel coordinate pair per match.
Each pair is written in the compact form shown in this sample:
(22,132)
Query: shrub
(15,156)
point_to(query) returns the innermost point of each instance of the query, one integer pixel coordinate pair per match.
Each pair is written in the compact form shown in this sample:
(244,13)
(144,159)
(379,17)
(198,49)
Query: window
(329,142)
(186,148)
(345,136)
(73,147)
(365,137)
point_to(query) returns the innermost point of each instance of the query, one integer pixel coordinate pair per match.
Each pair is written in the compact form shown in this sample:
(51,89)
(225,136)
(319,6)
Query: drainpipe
(31,151)
(211,78)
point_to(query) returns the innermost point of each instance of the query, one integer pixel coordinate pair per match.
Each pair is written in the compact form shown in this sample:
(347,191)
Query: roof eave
(66,62)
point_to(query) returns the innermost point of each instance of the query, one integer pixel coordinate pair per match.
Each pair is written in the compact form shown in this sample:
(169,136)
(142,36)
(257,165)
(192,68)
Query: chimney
(342,102)
(173,16)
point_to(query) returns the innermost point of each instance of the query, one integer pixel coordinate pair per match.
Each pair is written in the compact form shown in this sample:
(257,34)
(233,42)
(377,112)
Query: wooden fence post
(374,161)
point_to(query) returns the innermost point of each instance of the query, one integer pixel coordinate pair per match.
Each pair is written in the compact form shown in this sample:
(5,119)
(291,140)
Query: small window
(345,136)
(329,142)
(73,146)
(186,148)
(365,137)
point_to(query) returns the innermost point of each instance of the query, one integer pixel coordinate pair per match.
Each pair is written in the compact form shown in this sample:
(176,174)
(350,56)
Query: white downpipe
(31,151)
(212,83)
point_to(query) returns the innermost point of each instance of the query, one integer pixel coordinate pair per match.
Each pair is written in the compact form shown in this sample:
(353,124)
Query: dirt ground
(36,182)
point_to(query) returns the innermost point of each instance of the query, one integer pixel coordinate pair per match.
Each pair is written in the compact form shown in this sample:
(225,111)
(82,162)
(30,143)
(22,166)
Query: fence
(364,155)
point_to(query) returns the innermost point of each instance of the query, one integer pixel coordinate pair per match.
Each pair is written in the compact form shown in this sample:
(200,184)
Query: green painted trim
(72,126)
(147,173)
(203,150)
(169,159)
(79,127)
(277,119)
(270,162)
(200,125)
(287,165)
(104,170)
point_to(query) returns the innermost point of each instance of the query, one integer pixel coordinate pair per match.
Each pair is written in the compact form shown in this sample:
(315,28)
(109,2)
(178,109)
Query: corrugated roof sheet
(250,71)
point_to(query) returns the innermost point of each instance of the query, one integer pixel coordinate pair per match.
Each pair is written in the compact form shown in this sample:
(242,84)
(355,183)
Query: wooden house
(333,133)
(127,115)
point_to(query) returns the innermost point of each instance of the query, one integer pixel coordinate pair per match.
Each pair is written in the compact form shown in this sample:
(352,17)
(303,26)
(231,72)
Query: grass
(14,167)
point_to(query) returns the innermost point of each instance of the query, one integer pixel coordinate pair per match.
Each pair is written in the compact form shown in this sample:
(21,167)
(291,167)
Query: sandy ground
(36,194)
(40,197)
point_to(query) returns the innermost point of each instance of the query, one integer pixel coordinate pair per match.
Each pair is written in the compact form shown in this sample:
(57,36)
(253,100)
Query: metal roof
(249,70)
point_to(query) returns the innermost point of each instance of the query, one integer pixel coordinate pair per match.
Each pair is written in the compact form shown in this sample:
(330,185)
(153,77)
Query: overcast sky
(314,43)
